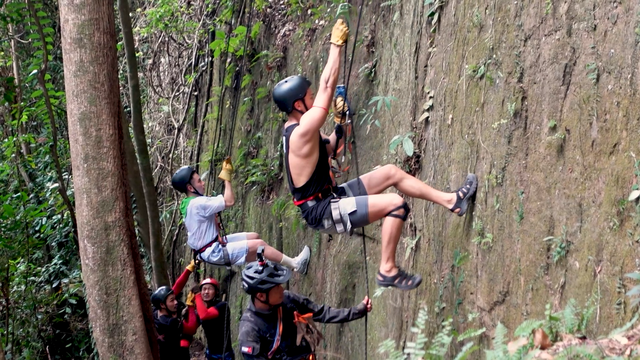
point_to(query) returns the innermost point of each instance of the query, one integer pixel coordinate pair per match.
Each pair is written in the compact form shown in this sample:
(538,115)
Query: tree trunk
(133,170)
(113,286)
(158,259)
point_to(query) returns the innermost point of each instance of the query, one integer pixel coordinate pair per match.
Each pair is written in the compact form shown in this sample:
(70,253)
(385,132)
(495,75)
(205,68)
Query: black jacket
(214,329)
(258,329)
(169,331)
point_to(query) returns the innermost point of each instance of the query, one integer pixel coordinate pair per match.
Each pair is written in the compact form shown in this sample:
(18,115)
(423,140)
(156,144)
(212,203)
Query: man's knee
(391,171)
(255,244)
(399,208)
(253,236)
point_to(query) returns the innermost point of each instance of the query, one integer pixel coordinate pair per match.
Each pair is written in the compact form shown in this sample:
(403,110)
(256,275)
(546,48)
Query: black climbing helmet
(290,90)
(160,296)
(260,277)
(182,178)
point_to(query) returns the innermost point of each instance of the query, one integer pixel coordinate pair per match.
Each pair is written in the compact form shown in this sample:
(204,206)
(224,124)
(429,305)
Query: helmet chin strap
(266,301)
(305,107)
(195,191)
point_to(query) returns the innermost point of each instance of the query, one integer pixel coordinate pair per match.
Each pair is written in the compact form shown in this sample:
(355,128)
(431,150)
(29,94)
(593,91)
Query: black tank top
(320,178)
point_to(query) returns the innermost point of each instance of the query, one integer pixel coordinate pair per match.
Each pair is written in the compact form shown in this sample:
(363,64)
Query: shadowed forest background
(538,98)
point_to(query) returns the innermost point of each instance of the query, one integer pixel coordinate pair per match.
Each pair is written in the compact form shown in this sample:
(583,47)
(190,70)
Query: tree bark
(109,260)
(158,259)
(133,170)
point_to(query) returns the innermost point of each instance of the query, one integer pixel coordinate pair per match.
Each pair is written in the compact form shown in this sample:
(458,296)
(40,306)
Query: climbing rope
(347,76)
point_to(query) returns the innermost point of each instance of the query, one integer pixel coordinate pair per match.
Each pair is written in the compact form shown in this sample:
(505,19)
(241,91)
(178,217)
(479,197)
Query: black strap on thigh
(225,256)
(402,217)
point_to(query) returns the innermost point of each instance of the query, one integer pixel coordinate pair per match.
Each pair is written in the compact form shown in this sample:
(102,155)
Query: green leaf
(634,291)
(395,142)
(36,93)
(633,275)
(255,30)
(7,210)
(240,31)
(246,80)
(407,145)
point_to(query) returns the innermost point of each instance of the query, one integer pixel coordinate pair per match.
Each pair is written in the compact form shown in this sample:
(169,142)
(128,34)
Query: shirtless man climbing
(336,209)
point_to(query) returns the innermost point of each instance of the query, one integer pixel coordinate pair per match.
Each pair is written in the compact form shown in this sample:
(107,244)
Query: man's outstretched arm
(313,119)
(327,314)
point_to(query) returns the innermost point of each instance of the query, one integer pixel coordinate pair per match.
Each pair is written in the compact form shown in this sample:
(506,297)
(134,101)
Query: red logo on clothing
(247,349)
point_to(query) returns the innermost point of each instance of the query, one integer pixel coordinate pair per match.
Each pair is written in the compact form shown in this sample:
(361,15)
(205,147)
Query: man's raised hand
(227,170)
(340,33)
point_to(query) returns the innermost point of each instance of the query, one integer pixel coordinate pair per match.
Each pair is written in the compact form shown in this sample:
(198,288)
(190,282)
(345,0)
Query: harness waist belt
(326,193)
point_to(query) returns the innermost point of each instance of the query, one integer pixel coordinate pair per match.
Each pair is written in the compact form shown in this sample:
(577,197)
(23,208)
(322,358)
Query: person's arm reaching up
(312,120)
(203,312)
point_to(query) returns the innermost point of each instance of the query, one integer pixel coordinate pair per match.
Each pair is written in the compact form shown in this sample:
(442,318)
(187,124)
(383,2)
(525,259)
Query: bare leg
(377,181)
(270,253)
(379,206)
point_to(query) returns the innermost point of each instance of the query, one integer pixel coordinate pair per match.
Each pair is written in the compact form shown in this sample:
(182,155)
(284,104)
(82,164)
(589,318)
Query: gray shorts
(354,208)
(237,247)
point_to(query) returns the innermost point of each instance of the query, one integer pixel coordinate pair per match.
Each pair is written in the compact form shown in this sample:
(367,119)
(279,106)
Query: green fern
(587,313)
(626,326)
(389,346)
(500,350)
(578,352)
(469,333)
(570,321)
(416,348)
(525,329)
(440,344)
(466,350)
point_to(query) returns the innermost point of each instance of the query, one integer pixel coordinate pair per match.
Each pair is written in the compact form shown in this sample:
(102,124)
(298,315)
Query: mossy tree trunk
(119,308)
(158,259)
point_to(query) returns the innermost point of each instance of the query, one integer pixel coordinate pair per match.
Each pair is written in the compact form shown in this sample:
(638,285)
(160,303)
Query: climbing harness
(221,239)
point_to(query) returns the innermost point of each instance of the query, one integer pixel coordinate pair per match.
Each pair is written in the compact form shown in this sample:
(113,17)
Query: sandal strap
(403,277)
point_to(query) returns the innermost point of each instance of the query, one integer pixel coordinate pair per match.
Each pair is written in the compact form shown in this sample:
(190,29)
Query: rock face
(538,98)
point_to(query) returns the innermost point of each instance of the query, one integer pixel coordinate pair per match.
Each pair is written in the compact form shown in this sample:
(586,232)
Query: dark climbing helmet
(260,277)
(182,178)
(160,296)
(290,90)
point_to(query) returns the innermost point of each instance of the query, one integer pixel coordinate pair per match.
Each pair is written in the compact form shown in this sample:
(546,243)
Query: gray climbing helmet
(260,277)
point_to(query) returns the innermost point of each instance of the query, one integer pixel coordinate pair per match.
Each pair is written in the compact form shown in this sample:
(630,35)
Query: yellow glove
(340,33)
(227,170)
(191,299)
(340,110)
(192,266)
